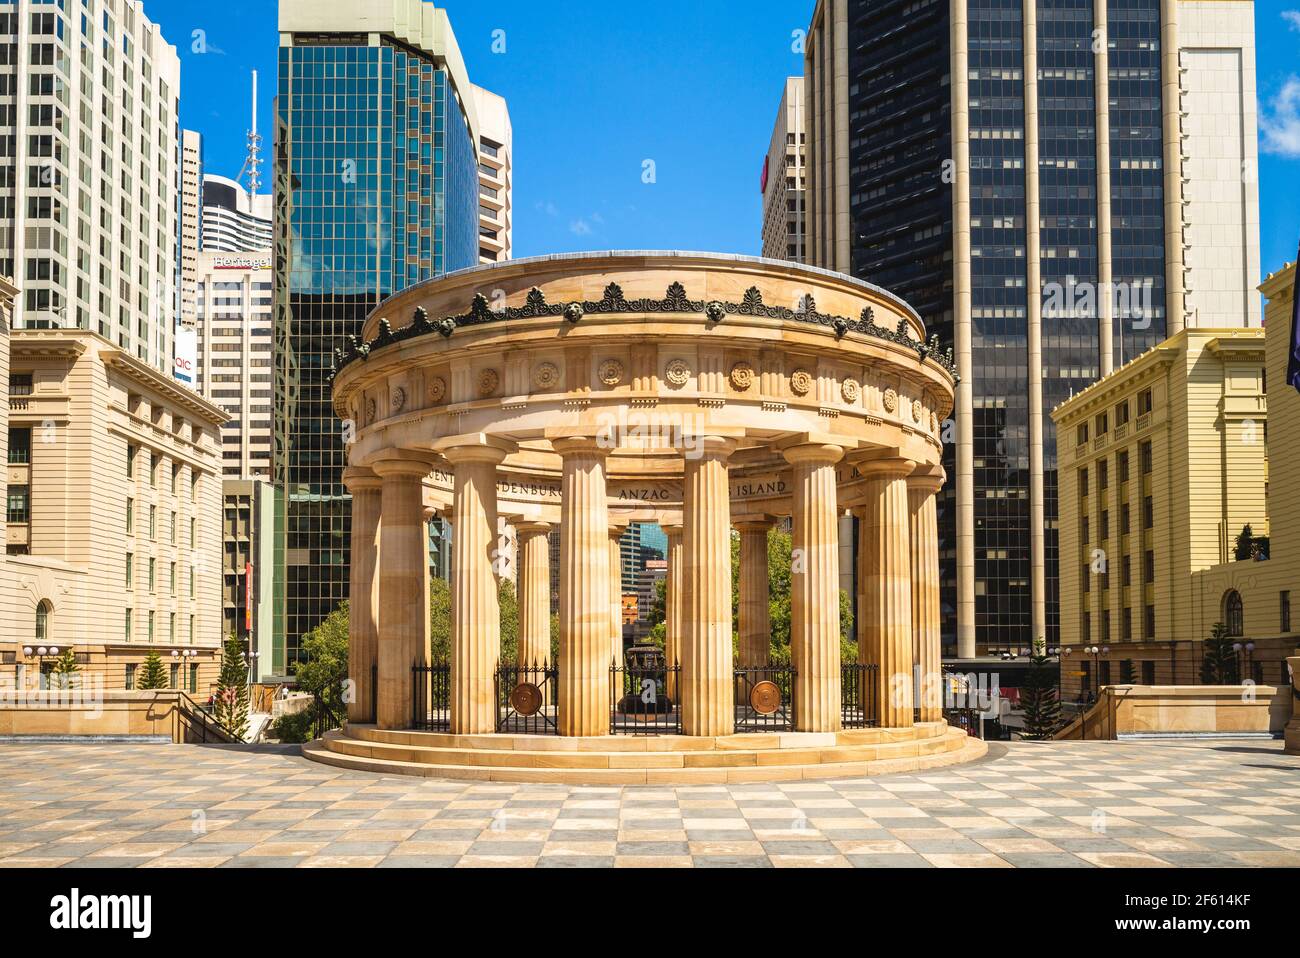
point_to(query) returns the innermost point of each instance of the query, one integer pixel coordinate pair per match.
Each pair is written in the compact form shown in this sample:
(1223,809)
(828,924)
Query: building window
(127,624)
(1103,425)
(130,517)
(1145,402)
(1148,513)
(1084,531)
(1105,626)
(1127,626)
(1149,566)
(1144,453)
(1126,572)
(176,475)
(153,567)
(193,529)
(1122,461)
(1149,623)
(1086,679)
(1105,524)
(194,679)
(130,571)
(20,447)
(1103,672)
(1234,614)
(1103,474)
(190,637)
(172,580)
(173,529)
(175,680)
(1087,578)
(1081,434)
(130,676)
(191,582)
(20,384)
(171,629)
(131,452)
(1125,523)
(19,506)
(1285,603)
(1083,482)
(1087,628)
(1148,672)
(153,523)
(1121,414)
(153,470)
(43,621)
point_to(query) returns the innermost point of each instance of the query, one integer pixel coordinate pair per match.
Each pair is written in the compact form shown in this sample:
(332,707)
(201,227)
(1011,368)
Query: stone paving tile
(1034,805)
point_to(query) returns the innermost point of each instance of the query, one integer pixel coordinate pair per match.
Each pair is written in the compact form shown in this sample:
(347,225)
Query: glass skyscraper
(1021,172)
(379,156)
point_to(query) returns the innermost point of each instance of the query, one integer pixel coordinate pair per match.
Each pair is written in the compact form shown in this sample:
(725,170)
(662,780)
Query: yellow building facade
(1163,463)
(113,536)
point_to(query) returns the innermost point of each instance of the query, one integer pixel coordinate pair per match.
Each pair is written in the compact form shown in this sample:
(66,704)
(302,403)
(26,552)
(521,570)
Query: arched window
(43,621)
(1233,614)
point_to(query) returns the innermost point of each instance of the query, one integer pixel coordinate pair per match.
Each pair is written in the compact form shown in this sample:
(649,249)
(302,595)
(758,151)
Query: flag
(1293,363)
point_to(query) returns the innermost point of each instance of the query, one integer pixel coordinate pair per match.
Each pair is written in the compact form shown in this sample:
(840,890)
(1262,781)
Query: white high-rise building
(495,177)
(234,220)
(783,181)
(90,151)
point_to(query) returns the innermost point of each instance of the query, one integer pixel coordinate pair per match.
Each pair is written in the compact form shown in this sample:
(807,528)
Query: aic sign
(187,355)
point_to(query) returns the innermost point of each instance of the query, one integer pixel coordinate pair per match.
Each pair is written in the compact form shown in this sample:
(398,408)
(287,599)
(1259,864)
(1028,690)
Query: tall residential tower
(89,152)
(1049,230)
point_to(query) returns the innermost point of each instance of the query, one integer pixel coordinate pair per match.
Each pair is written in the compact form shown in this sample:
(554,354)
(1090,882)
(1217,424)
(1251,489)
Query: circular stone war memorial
(706,393)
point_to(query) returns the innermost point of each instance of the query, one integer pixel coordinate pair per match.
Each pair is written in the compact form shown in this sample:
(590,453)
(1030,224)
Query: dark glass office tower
(382,168)
(888,91)
(901,213)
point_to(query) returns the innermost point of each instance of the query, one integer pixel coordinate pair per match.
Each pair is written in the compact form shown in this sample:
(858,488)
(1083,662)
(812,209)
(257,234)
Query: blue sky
(596,88)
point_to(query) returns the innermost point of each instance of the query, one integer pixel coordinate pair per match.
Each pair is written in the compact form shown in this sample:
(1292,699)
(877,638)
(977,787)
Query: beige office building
(113,519)
(947,178)
(783,179)
(1163,464)
(495,176)
(234,307)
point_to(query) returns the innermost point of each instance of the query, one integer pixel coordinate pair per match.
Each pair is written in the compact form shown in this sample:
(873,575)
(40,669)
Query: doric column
(534,593)
(616,529)
(708,672)
(815,587)
(673,605)
(363,591)
(755,615)
(886,634)
(475,608)
(926,640)
(584,589)
(403,571)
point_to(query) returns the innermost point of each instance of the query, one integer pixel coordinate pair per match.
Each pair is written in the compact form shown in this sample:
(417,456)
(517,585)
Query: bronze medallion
(765,698)
(526,699)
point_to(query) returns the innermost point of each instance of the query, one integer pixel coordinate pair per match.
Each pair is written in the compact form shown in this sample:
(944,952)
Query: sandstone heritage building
(113,519)
(703,393)
(1164,462)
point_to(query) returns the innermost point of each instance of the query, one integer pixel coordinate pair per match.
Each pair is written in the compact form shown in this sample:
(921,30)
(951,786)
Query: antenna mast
(253,162)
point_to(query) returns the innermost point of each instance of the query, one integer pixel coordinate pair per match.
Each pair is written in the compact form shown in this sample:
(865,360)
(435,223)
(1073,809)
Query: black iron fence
(640,702)
(966,719)
(765,699)
(526,699)
(431,697)
(859,695)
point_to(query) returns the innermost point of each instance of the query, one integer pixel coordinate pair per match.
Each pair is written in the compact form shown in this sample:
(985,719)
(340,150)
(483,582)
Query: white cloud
(1292,17)
(547,207)
(1279,121)
(580,228)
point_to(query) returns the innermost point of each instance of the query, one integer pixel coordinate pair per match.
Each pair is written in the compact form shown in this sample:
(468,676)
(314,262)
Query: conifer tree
(152,676)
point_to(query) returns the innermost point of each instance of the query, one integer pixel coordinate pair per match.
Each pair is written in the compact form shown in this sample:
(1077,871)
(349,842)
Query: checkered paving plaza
(1081,804)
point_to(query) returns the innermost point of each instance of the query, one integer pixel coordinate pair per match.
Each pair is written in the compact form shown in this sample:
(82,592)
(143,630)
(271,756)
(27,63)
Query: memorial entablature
(581,393)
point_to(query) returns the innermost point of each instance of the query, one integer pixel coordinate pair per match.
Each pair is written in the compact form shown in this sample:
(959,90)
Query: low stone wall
(90,713)
(1125,711)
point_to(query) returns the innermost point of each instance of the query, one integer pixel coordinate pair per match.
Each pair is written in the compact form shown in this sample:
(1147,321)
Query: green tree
(1039,699)
(1128,672)
(152,676)
(439,620)
(509,603)
(1218,659)
(323,669)
(64,670)
(659,605)
(230,705)
(1245,545)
